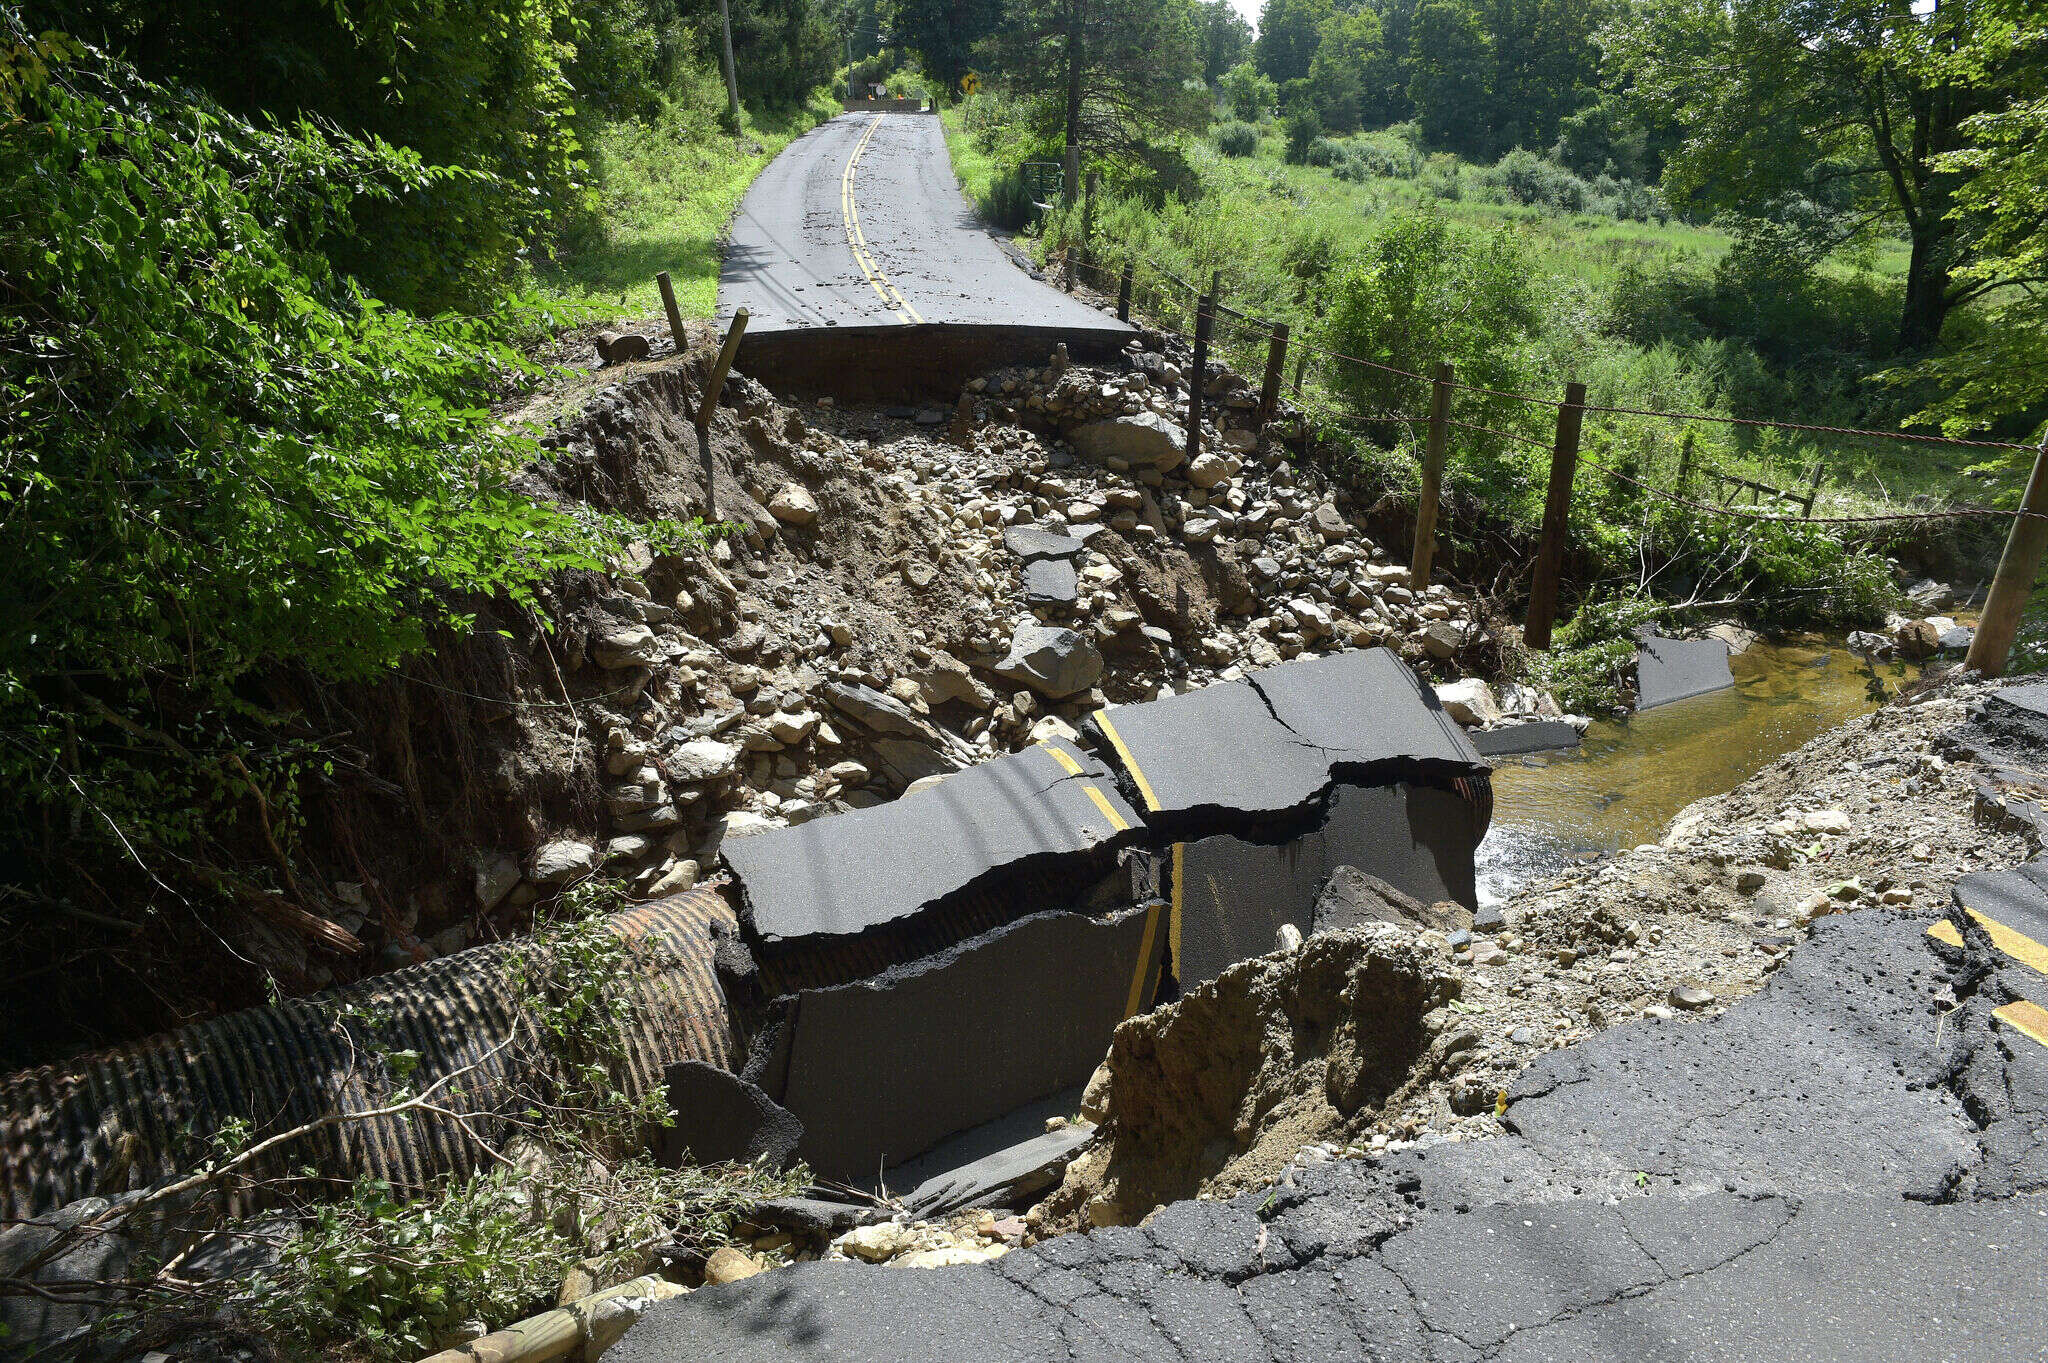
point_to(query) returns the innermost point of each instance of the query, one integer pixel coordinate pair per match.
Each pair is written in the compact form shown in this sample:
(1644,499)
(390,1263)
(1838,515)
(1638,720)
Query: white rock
(1208,470)
(875,1244)
(1468,700)
(704,759)
(621,646)
(560,861)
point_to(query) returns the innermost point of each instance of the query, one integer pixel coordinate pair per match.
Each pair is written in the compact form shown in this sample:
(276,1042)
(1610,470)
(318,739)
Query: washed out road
(1845,1167)
(860,223)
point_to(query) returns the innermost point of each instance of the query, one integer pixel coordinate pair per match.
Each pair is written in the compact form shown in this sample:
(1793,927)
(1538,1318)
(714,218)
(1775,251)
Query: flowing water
(1630,777)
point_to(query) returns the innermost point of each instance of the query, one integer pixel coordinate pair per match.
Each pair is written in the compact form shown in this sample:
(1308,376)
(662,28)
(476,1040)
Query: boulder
(1329,522)
(793,504)
(1352,898)
(1469,701)
(561,861)
(1146,438)
(1444,639)
(1056,663)
(496,874)
(625,645)
(1919,638)
(703,759)
(1208,470)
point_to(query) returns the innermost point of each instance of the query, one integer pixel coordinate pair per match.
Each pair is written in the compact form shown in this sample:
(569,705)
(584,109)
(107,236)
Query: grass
(975,168)
(669,188)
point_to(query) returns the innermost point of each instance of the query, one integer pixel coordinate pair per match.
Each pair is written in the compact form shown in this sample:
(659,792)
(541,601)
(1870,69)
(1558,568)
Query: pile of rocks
(904,600)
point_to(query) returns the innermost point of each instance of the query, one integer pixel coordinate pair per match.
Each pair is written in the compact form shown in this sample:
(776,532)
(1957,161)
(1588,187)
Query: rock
(1095,1097)
(701,760)
(1749,882)
(1738,639)
(561,861)
(878,713)
(1208,470)
(611,1318)
(793,504)
(1288,938)
(729,1265)
(1240,440)
(1030,542)
(1050,582)
(1444,639)
(1053,727)
(1146,438)
(623,645)
(1350,898)
(496,874)
(1328,522)
(1825,821)
(1201,529)
(876,1244)
(906,761)
(1469,701)
(792,728)
(1918,638)
(1957,639)
(1689,997)
(1056,663)
(949,1255)
(615,347)
(676,879)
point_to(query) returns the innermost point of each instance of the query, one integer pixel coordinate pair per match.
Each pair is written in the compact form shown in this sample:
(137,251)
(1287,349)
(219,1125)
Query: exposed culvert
(129,1118)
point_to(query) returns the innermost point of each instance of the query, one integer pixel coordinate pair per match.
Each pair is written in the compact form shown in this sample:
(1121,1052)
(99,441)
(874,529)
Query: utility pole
(732,80)
(1077,16)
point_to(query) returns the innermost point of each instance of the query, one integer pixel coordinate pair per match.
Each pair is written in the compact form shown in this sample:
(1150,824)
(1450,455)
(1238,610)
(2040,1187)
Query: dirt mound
(1217,1090)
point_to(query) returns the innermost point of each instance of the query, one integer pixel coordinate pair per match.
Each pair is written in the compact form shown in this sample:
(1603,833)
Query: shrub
(1303,128)
(1249,93)
(1237,139)
(1527,178)
(1324,151)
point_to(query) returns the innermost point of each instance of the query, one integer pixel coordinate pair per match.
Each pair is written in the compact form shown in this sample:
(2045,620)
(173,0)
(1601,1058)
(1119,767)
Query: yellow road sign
(969,83)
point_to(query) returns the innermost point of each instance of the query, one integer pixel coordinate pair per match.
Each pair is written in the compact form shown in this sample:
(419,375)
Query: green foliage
(1288,33)
(1304,127)
(1250,94)
(394,1277)
(1140,67)
(220,458)
(1237,139)
(1226,39)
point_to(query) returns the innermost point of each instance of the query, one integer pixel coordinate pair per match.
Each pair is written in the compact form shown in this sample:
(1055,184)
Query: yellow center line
(1073,768)
(1137,995)
(2026,1017)
(892,297)
(1123,750)
(2011,941)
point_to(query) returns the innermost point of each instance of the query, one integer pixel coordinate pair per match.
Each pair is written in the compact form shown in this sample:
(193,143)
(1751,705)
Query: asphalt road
(860,223)
(1846,1166)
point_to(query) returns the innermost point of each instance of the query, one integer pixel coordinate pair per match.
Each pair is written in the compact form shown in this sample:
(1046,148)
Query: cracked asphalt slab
(861,223)
(1845,1166)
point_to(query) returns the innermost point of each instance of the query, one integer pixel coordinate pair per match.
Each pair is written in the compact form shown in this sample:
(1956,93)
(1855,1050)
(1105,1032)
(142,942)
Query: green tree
(1226,39)
(1250,95)
(1288,33)
(1113,78)
(1351,77)
(944,33)
(2001,372)
(1839,101)
(1450,73)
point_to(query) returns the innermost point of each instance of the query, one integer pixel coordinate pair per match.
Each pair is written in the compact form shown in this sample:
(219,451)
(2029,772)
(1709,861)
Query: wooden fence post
(675,314)
(1557,505)
(1205,309)
(1420,564)
(714,386)
(2014,580)
(1813,489)
(1300,370)
(1123,292)
(1684,463)
(1276,367)
(1088,218)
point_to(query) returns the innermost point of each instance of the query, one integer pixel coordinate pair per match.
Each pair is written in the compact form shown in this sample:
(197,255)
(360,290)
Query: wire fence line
(1246,328)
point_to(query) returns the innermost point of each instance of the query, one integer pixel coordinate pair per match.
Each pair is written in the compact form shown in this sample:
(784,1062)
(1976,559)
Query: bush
(1303,128)
(1527,178)
(1248,93)
(1365,160)
(1237,139)
(1324,151)
(220,460)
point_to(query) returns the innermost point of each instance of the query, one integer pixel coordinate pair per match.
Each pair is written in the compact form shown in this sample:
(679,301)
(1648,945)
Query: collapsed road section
(898,975)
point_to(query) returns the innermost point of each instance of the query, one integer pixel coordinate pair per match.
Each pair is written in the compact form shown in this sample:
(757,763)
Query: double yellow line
(892,297)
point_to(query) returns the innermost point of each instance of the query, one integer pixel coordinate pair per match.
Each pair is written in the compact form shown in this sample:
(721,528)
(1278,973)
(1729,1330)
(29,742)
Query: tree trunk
(1077,15)
(1927,287)
(732,80)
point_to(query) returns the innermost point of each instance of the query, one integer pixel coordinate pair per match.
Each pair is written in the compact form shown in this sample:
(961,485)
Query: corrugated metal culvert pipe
(134,1116)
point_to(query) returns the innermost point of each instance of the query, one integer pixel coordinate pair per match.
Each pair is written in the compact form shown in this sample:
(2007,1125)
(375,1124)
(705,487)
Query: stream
(1631,777)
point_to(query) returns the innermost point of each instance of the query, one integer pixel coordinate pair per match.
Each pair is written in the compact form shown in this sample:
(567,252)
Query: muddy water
(1632,776)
